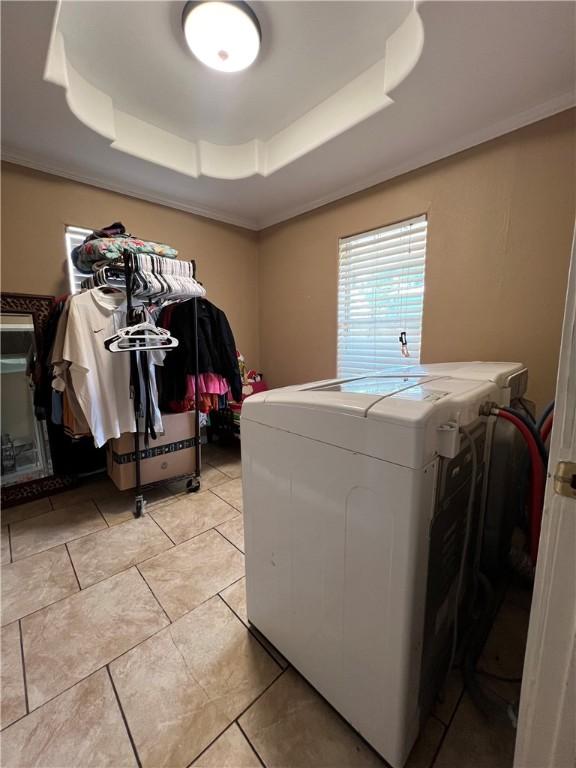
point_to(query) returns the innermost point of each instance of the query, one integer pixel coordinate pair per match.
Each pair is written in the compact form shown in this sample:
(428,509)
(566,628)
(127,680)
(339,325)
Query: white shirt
(101,379)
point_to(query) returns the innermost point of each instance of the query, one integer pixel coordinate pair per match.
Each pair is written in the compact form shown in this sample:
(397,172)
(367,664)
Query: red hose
(537,482)
(546,428)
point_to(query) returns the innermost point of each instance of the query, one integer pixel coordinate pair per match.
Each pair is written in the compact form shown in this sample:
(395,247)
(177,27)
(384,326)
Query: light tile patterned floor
(126,642)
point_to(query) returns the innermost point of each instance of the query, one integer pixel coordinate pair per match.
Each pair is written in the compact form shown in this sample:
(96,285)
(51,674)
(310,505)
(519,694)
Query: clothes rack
(193,483)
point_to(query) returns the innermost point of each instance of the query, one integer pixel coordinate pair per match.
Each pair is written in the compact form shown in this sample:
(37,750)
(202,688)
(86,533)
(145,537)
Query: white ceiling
(484,68)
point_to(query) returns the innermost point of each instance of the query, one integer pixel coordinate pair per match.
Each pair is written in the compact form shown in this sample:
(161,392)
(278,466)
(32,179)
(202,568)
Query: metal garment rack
(193,483)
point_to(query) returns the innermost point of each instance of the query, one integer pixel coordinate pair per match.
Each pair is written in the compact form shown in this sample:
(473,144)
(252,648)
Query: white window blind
(74,236)
(380,296)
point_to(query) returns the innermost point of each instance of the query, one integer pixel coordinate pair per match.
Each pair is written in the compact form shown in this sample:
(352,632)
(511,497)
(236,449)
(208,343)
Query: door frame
(546,735)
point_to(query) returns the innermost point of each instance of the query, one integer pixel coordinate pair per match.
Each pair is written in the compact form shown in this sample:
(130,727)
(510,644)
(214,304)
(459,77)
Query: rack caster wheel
(192,486)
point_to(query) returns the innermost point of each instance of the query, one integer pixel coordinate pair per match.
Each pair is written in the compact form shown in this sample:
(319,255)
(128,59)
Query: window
(75,236)
(380,296)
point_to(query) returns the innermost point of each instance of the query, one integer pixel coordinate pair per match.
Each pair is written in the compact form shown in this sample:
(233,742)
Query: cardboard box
(170,455)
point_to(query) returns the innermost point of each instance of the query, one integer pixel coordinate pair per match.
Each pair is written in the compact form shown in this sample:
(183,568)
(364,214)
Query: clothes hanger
(106,279)
(109,289)
(141,337)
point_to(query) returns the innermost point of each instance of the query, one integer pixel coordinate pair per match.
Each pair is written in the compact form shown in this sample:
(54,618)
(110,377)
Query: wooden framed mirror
(26,450)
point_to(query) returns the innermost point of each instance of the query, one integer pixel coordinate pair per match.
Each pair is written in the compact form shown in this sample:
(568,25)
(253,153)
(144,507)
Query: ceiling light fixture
(223,35)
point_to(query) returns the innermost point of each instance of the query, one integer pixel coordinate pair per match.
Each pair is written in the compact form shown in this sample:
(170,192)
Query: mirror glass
(24,439)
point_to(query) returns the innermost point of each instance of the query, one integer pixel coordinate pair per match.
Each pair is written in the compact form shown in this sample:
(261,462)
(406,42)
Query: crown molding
(558,104)
(547,109)
(11,156)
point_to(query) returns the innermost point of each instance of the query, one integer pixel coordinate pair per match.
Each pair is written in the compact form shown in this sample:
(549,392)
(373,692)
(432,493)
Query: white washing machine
(355,498)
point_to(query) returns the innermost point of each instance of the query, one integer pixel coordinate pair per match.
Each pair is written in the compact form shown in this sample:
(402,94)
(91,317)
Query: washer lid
(498,372)
(441,398)
(354,397)
(373,385)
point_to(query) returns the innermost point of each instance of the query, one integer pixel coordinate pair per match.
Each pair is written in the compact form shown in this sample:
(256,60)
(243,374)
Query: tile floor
(126,643)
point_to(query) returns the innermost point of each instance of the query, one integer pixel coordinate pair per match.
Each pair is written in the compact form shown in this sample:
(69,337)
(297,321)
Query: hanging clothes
(72,415)
(42,380)
(211,388)
(70,453)
(100,380)
(216,348)
(208,383)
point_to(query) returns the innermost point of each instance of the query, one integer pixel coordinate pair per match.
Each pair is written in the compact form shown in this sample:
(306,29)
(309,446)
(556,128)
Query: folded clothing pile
(107,244)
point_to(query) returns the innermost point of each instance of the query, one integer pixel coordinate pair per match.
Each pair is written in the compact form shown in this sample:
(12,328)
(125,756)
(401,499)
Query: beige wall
(501,218)
(36,207)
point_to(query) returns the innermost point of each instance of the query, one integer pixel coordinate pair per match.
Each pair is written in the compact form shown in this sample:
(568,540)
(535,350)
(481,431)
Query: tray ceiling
(344,94)
(312,82)
(300,65)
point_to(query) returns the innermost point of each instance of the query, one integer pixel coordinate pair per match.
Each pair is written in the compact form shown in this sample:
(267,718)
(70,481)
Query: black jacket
(216,349)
